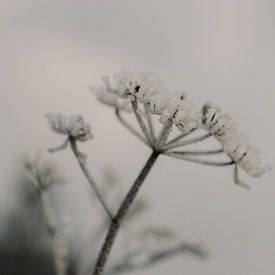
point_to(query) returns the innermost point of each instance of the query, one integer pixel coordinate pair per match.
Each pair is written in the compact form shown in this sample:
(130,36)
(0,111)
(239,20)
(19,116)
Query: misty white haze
(51,52)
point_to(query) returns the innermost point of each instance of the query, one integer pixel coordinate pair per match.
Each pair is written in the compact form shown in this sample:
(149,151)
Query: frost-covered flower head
(234,143)
(111,99)
(246,156)
(144,87)
(134,85)
(182,113)
(73,126)
(42,170)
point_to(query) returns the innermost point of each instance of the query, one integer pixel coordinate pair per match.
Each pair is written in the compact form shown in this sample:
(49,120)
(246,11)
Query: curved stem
(122,212)
(198,152)
(200,161)
(89,176)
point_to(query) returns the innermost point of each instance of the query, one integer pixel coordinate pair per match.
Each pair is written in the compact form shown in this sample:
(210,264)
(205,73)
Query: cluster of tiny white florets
(152,92)
(119,90)
(73,126)
(233,141)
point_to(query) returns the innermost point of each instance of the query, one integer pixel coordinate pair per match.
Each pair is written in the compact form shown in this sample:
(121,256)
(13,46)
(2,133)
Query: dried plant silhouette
(146,97)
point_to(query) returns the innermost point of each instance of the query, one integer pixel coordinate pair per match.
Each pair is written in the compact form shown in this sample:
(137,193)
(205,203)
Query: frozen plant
(148,98)
(44,173)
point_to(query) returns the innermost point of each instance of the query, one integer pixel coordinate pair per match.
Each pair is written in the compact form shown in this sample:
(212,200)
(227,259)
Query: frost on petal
(246,156)
(182,113)
(219,124)
(58,123)
(234,143)
(74,126)
(111,99)
(157,102)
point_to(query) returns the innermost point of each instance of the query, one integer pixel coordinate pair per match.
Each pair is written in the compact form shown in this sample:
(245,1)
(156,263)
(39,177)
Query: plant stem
(122,212)
(89,176)
(141,123)
(187,141)
(129,127)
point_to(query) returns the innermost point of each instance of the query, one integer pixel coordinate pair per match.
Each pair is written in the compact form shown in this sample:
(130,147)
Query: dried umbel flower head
(42,170)
(73,126)
(151,91)
(148,95)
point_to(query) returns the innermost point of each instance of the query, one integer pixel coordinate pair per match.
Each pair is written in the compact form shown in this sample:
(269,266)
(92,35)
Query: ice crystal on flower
(138,85)
(73,126)
(111,99)
(219,124)
(246,156)
(182,113)
(234,143)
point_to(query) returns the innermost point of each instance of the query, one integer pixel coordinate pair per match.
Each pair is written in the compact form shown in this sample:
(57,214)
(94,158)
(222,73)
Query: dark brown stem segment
(122,212)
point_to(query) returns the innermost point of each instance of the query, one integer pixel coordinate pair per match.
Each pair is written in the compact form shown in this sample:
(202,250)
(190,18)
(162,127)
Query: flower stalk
(121,214)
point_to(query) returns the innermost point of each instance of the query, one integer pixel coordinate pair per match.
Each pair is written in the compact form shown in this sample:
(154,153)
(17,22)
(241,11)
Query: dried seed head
(73,126)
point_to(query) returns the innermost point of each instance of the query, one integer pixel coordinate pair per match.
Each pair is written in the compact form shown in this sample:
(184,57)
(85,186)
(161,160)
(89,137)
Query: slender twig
(51,223)
(198,152)
(122,212)
(237,180)
(177,138)
(141,123)
(200,161)
(165,254)
(59,148)
(88,176)
(129,127)
(164,134)
(187,141)
(148,117)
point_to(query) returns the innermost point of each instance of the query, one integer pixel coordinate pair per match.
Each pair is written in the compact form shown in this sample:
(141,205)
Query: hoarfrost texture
(146,97)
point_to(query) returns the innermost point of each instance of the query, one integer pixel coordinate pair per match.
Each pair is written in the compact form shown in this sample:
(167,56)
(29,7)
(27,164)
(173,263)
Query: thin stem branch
(122,212)
(237,180)
(141,123)
(198,152)
(129,127)
(177,138)
(60,147)
(187,141)
(148,117)
(51,223)
(164,134)
(88,176)
(200,161)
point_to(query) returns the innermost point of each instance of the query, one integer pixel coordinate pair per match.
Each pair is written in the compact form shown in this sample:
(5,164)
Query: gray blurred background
(214,50)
